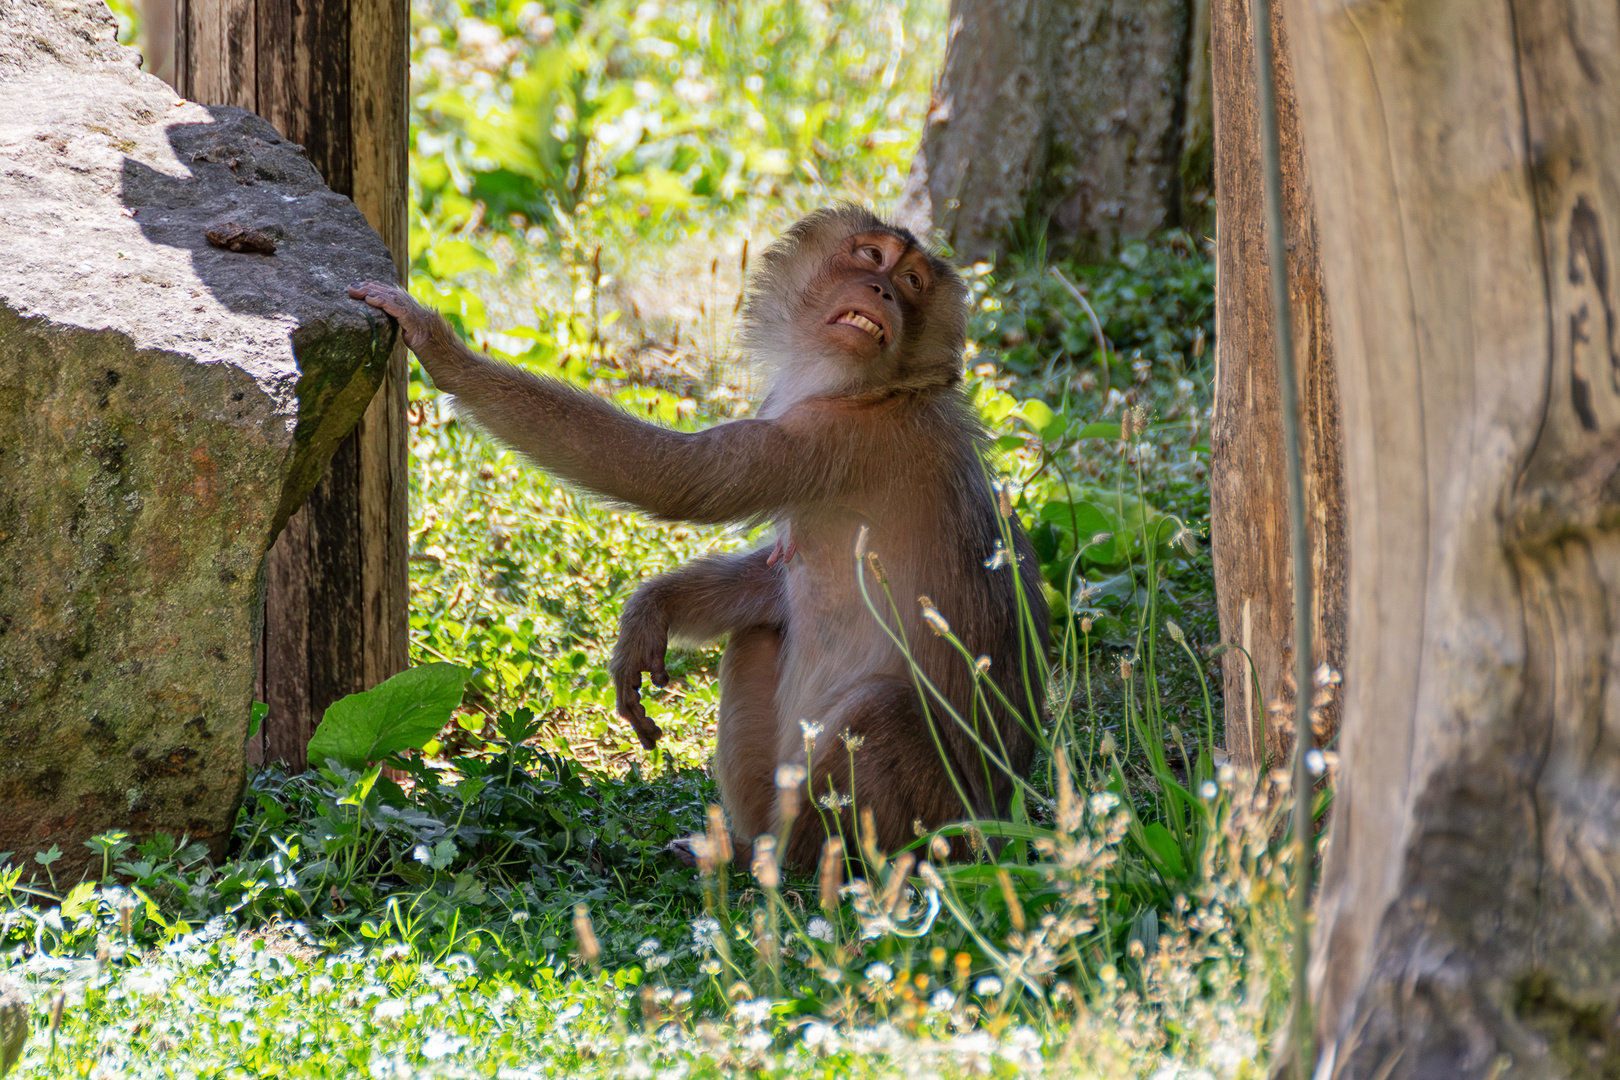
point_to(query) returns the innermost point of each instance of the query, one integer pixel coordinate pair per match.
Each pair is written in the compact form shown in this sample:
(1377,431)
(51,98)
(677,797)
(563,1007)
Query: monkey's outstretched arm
(725,473)
(708,597)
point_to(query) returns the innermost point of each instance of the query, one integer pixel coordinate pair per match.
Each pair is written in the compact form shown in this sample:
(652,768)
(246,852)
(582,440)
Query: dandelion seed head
(819,928)
(753,1012)
(704,927)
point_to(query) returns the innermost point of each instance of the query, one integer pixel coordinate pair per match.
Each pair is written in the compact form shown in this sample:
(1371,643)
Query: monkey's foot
(682,849)
(685,849)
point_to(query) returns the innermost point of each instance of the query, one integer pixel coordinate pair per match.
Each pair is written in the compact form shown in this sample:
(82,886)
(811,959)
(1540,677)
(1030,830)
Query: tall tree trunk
(332,75)
(1089,118)
(1248,486)
(1466,164)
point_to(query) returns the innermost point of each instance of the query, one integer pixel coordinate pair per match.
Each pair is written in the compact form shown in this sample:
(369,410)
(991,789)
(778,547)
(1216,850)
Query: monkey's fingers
(380,295)
(630,709)
(646,730)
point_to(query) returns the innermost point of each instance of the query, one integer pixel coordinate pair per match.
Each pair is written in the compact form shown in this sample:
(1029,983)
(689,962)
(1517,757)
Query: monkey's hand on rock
(641,647)
(426,334)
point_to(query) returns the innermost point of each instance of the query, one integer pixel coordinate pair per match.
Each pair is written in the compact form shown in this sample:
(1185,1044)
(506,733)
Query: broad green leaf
(1036,413)
(1100,431)
(1164,849)
(400,714)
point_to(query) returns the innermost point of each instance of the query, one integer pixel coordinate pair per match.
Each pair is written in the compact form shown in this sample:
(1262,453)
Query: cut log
(1466,169)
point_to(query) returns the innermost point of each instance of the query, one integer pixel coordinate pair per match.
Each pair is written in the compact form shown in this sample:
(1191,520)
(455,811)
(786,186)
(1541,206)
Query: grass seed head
(590,949)
(765,868)
(832,871)
(719,835)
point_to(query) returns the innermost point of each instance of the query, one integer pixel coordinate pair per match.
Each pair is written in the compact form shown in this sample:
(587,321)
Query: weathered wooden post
(1248,504)
(332,75)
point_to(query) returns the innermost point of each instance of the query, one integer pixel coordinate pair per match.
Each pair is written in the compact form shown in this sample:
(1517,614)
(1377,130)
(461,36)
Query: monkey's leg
(745,742)
(897,774)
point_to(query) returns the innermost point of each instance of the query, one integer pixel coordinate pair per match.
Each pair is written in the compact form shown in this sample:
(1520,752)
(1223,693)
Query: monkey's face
(873,285)
(846,302)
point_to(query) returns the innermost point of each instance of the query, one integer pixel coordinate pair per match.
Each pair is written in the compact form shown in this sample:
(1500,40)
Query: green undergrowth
(473,877)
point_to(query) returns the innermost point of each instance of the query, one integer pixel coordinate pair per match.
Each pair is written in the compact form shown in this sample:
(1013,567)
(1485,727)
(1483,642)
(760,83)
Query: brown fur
(853,433)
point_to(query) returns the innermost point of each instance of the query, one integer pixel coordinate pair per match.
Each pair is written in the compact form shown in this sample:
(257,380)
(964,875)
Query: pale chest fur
(834,644)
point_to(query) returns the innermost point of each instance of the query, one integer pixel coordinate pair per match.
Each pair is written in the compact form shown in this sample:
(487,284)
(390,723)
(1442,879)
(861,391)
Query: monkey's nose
(880,290)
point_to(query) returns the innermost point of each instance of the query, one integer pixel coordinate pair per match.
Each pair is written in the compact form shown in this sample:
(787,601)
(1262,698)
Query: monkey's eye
(913,282)
(873,253)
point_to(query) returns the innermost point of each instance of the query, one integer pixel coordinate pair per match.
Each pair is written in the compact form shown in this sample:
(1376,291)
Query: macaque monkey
(865,426)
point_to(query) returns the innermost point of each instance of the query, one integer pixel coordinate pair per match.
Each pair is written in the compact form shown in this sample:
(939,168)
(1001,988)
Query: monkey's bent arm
(716,595)
(702,600)
(729,472)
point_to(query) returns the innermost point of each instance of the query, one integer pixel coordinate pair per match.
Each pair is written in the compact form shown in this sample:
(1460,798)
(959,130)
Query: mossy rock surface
(165,405)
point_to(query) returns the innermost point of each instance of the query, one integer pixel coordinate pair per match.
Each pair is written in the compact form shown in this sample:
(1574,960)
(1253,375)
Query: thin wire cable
(1302,1034)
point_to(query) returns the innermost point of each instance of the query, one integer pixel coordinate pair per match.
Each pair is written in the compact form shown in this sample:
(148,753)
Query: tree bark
(1248,484)
(1467,186)
(1086,118)
(332,75)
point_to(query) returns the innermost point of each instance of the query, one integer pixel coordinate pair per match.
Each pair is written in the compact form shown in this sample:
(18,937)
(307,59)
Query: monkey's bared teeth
(856,319)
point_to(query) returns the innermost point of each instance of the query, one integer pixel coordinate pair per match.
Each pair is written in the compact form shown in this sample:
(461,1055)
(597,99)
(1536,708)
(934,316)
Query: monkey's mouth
(861,322)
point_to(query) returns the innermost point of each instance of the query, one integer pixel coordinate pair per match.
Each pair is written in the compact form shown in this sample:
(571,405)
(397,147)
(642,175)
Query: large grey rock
(165,405)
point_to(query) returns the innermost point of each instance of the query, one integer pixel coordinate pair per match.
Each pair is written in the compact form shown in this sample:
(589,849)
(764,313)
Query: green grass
(584,178)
